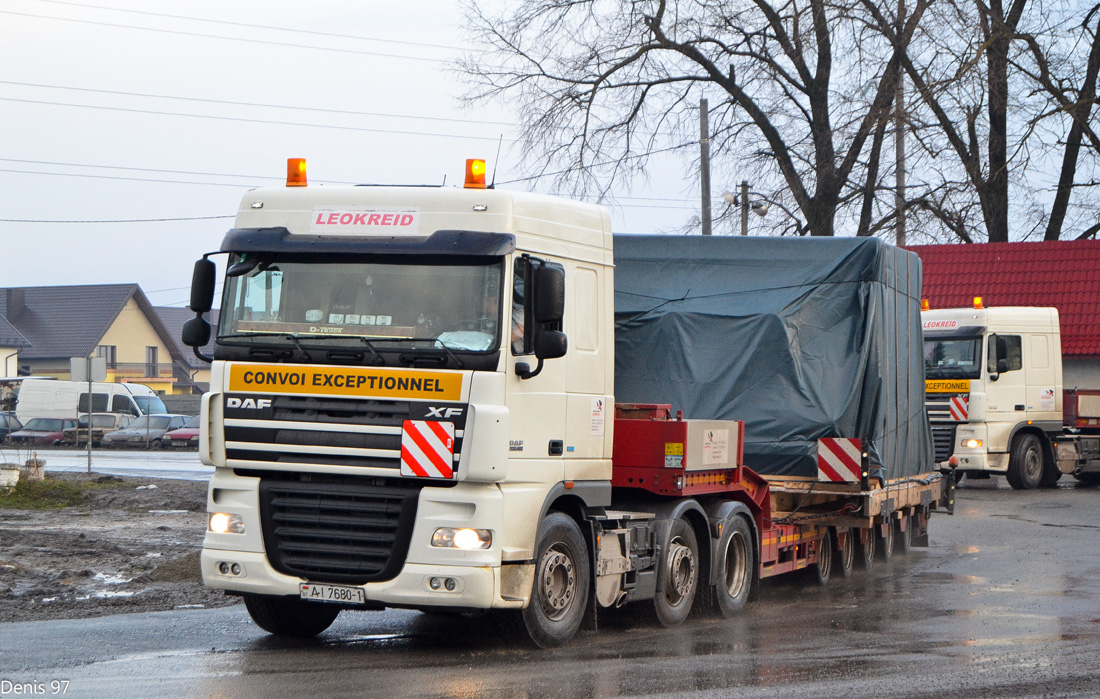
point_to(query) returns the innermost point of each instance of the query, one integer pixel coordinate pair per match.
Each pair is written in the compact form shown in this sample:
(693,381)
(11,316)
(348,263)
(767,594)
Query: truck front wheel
(562,581)
(1025,464)
(289,616)
(678,575)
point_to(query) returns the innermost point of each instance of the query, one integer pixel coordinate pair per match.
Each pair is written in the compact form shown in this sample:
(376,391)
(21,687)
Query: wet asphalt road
(1005,603)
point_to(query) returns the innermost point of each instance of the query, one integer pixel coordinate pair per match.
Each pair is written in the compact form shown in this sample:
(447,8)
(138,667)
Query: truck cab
(993,381)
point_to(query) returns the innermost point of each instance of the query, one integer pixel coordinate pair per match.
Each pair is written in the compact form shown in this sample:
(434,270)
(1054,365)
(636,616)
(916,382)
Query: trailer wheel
(904,539)
(821,571)
(885,535)
(845,551)
(562,581)
(733,562)
(678,575)
(867,548)
(290,616)
(1025,465)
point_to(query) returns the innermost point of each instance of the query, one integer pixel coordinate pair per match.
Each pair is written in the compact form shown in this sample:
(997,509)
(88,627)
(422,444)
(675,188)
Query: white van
(68,399)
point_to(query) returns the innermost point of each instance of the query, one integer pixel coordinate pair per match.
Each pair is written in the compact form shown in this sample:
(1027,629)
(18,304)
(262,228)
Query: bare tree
(807,88)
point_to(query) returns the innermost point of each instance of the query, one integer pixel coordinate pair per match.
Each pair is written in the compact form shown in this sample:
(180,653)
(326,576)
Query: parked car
(186,436)
(145,431)
(48,431)
(8,424)
(102,423)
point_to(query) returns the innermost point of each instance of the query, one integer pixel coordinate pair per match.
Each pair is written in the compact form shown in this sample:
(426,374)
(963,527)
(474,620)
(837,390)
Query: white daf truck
(412,405)
(995,397)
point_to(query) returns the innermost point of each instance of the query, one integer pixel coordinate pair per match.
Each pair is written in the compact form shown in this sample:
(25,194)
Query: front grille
(943,440)
(327,431)
(337,532)
(939,406)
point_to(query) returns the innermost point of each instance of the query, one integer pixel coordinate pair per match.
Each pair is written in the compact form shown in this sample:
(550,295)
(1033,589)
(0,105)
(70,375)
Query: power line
(146,169)
(263,42)
(121,220)
(118,177)
(232,103)
(260,26)
(269,122)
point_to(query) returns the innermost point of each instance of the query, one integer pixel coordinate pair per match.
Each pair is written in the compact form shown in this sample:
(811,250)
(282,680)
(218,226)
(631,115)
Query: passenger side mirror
(196,332)
(549,294)
(550,344)
(202,286)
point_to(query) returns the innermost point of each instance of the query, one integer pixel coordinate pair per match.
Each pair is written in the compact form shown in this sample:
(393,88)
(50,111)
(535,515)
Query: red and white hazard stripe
(838,459)
(959,408)
(427,449)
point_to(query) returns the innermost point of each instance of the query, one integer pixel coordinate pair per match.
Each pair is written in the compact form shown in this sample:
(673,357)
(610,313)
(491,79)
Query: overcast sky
(120,110)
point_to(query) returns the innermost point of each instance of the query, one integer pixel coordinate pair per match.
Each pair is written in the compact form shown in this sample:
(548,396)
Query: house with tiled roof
(174,319)
(114,321)
(12,343)
(1063,274)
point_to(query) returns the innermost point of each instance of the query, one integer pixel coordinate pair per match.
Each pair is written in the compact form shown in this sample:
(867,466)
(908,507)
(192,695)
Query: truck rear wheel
(678,575)
(821,571)
(904,538)
(845,553)
(885,535)
(1025,464)
(867,548)
(559,595)
(734,566)
(290,616)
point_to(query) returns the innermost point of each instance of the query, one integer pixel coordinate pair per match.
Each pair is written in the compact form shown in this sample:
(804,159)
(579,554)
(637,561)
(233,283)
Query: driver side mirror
(196,332)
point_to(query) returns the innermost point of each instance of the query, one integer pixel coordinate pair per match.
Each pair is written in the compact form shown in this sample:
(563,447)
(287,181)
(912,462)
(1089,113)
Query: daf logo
(248,403)
(444,412)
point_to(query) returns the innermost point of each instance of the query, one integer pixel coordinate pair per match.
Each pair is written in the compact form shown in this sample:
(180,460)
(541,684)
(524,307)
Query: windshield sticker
(366,222)
(344,381)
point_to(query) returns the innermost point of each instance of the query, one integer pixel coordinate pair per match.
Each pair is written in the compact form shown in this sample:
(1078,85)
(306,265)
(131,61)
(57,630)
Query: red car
(42,430)
(186,436)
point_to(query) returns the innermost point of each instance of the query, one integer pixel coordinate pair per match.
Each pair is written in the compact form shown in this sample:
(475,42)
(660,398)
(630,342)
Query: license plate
(340,594)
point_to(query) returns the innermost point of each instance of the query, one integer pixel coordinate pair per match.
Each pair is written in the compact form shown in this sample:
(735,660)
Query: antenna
(492,185)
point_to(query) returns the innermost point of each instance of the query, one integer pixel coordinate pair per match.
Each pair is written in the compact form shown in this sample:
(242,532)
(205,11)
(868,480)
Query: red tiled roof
(1064,274)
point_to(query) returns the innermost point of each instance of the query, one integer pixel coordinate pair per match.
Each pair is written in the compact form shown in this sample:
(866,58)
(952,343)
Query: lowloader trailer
(413,404)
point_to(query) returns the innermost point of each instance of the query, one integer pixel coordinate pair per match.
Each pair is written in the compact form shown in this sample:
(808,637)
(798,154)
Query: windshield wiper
(293,339)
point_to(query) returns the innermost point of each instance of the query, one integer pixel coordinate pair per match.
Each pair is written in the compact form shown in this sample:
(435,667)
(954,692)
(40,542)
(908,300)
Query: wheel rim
(1033,464)
(681,572)
(735,565)
(557,581)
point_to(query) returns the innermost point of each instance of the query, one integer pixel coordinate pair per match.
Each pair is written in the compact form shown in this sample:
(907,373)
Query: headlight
(222,523)
(467,539)
(972,443)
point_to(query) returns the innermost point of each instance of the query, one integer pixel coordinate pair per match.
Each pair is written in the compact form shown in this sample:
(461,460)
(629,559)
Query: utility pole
(899,138)
(704,164)
(744,207)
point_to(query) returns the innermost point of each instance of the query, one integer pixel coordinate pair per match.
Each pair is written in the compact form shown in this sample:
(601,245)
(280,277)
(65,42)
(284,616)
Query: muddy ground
(131,546)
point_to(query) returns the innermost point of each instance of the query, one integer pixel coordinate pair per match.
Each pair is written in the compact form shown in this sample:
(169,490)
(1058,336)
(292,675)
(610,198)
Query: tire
(845,559)
(903,540)
(155,444)
(1051,476)
(734,565)
(820,572)
(866,548)
(559,595)
(677,575)
(290,617)
(1088,478)
(885,543)
(1025,464)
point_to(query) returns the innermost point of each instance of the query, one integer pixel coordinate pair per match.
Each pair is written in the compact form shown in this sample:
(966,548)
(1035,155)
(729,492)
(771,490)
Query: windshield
(152,422)
(329,302)
(150,405)
(44,424)
(193,423)
(953,358)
